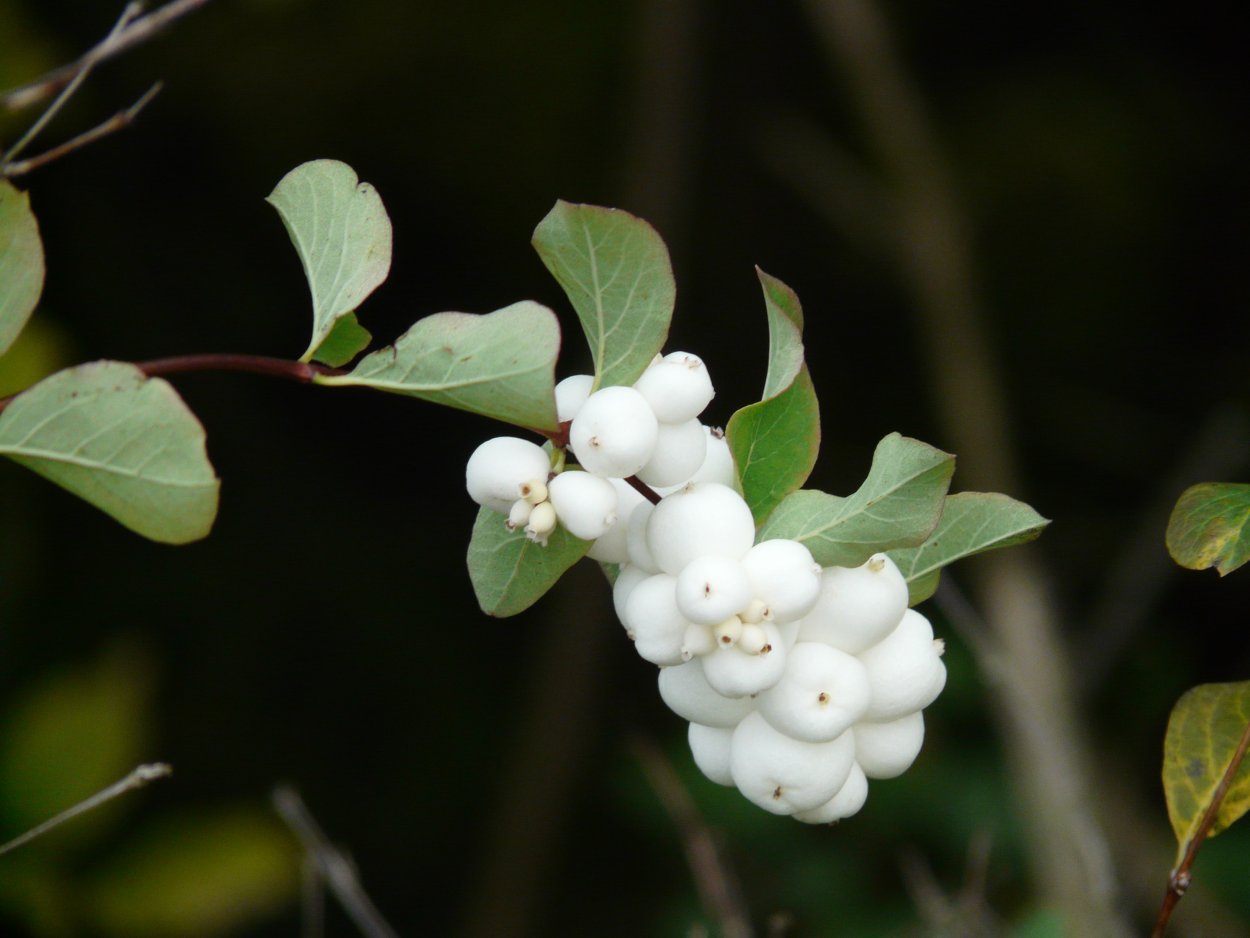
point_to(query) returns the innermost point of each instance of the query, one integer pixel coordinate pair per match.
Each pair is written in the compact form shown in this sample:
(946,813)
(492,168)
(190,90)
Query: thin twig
(1180,879)
(134,33)
(643,489)
(713,878)
(335,868)
(303,372)
(83,69)
(119,121)
(148,772)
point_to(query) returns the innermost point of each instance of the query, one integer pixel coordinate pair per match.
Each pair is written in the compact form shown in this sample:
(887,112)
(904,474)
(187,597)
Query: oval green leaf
(1204,730)
(775,441)
(499,365)
(1210,527)
(122,441)
(21,263)
(509,571)
(971,523)
(616,272)
(197,875)
(898,505)
(342,235)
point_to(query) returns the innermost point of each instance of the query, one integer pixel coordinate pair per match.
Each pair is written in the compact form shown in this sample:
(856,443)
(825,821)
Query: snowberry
(822,692)
(849,799)
(687,693)
(651,614)
(680,450)
(887,750)
(628,577)
(677,387)
(905,670)
(636,538)
(857,606)
(784,576)
(613,545)
(784,775)
(571,394)
(710,589)
(711,747)
(541,523)
(500,466)
(584,503)
(734,672)
(701,519)
(614,433)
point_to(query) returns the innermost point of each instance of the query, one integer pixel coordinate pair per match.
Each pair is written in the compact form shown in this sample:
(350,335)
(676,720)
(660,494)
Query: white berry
(680,450)
(711,747)
(822,692)
(784,576)
(677,387)
(703,518)
(857,606)
(571,394)
(887,750)
(711,589)
(784,775)
(499,467)
(687,693)
(849,799)
(905,670)
(614,433)
(584,503)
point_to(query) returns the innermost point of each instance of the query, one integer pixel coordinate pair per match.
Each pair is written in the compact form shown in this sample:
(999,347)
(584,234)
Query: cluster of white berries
(799,683)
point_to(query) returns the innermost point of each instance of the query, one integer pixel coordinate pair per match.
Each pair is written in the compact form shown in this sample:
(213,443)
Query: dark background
(326,633)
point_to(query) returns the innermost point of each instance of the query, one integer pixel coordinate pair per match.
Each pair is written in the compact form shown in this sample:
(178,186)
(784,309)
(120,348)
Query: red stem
(303,372)
(1179,881)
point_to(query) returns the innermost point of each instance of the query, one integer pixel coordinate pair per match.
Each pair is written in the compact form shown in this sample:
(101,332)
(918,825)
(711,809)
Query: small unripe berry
(541,524)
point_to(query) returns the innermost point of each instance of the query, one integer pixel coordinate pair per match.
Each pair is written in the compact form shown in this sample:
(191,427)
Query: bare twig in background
(149,772)
(713,878)
(132,34)
(85,65)
(119,121)
(312,900)
(967,914)
(535,778)
(1049,757)
(334,867)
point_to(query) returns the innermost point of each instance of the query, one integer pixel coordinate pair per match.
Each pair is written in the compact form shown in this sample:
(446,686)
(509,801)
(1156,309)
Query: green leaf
(971,523)
(70,735)
(1210,527)
(898,505)
(194,876)
(775,442)
(510,572)
(21,263)
(346,340)
(122,441)
(342,234)
(500,364)
(616,272)
(1203,734)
